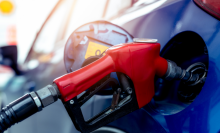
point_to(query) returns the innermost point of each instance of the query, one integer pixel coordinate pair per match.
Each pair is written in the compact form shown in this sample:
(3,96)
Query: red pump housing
(140,61)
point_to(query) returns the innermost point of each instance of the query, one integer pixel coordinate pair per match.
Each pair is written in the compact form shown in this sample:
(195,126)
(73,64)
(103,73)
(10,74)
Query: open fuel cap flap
(89,42)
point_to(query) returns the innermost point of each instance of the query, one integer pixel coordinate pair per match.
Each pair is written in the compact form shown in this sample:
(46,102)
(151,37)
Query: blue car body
(163,23)
(162,20)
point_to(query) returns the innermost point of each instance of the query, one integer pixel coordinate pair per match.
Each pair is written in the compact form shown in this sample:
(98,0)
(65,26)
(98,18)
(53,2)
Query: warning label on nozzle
(95,49)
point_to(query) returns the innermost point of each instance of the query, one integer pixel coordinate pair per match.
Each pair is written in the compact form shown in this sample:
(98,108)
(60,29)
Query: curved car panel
(163,23)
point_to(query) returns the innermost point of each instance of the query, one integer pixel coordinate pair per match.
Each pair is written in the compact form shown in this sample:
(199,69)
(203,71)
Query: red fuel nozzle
(140,61)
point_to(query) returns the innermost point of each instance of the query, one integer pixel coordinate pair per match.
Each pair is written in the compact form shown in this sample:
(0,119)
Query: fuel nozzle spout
(27,105)
(175,72)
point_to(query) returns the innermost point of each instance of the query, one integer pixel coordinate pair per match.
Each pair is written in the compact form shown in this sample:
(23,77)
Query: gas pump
(92,53)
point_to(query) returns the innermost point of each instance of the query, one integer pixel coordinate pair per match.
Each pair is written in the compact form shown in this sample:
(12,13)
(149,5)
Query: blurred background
(33,34)
(21,20)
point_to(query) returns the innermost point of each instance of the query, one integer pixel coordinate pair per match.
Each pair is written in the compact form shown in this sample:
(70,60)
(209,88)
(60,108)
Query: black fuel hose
(27,105)
(17,111)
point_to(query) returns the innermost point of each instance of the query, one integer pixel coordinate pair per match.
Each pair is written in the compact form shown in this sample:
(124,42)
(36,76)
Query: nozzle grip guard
(125,106)
(140,61)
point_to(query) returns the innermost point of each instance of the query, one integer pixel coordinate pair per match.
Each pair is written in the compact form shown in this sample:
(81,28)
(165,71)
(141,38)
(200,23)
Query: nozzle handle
(140,61)
(72,84)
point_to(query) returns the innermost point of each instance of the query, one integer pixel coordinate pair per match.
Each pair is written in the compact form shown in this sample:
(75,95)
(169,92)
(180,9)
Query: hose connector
(48,95)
